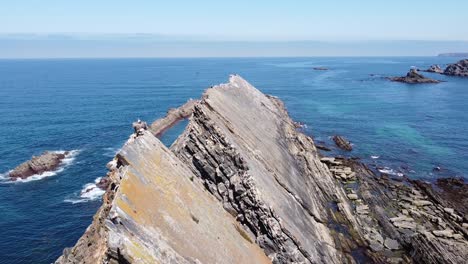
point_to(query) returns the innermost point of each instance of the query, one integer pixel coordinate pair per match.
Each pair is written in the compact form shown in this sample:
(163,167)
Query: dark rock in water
(48,161)
(322,147)
(457,69)
(413,77)
(435,69)
(320,68)
(342,143)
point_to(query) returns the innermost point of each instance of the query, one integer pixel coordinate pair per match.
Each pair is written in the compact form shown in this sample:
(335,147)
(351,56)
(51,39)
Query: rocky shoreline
(249,184)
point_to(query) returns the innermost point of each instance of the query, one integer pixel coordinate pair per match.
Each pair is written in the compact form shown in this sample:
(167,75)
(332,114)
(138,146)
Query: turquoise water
(88,106)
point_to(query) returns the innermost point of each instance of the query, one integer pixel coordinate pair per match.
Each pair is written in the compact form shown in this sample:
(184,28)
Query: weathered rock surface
(416,224)
(342,143)
(413,77)
(457,69)
(154,213)
(435,69)
(264,172)
(48,161)
(242,185)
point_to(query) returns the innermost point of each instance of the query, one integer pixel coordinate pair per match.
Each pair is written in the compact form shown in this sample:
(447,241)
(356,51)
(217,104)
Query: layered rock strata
(242,185)
(264,172)
(154,212)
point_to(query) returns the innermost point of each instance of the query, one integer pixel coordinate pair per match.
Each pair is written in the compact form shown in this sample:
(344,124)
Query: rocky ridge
(250,185)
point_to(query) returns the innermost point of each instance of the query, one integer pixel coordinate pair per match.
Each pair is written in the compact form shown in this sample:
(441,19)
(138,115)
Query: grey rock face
(271,172)
(154,213)
(457,69)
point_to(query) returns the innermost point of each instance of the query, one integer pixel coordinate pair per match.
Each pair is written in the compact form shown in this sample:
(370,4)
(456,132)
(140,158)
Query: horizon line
(221,57)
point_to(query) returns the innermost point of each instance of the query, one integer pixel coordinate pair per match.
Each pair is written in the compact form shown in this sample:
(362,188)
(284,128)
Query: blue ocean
(87,105)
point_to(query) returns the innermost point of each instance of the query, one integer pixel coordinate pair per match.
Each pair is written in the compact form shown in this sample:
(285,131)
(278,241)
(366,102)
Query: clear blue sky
(209,28)
(242,19)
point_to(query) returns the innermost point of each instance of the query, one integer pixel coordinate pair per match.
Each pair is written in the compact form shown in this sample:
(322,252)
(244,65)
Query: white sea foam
(375,157)
(90,192)
(389,171)
(65,163)
(4,176)
(110,152)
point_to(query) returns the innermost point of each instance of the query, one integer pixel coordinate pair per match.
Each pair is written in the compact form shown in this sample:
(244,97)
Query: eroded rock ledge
(242,185)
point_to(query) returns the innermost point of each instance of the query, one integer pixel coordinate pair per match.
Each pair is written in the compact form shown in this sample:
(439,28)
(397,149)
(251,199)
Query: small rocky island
(435,69)
(47,161)
(457,69)
(413,77)
(241,184)
(343,143)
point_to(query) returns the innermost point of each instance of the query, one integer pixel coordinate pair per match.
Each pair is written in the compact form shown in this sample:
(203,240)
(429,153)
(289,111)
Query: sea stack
(457,69)
(413,77)
(242,185)
(47,161)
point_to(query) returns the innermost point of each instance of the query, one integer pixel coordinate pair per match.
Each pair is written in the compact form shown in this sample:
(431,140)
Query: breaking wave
(90,192)
(110,152)
(389,171)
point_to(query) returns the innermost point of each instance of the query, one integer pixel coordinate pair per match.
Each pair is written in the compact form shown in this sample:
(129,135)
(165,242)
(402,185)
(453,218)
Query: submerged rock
(413,77)
(47,161)
(342,143)
(320,68)
(457,69)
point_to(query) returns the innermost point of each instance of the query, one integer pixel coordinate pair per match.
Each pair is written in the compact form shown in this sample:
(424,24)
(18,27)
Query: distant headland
(454,54)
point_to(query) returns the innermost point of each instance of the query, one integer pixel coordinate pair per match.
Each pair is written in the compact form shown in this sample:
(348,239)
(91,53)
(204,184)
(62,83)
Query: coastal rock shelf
(242,185)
